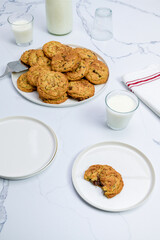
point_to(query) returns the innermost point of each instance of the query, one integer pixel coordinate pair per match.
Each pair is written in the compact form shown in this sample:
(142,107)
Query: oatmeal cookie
(79,72)
(52,85)
(55,101)
(23,84)
(98,72)
(92,174)
(65,61)
(86,54)
(33,73)
(105,177)
(81,89)
(37,57)
(52,48)
(111,182)
(25,56)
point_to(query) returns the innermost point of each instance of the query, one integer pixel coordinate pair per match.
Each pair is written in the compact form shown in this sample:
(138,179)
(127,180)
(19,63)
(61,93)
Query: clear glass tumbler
(102,27)
(22,27)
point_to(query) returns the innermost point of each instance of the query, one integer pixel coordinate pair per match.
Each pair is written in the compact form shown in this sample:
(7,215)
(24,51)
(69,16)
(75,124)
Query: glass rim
(21,16)
(126,92)
(109,11)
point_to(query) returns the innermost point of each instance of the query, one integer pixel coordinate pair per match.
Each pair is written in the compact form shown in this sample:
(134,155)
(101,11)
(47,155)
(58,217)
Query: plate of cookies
(113,176)
(61,75)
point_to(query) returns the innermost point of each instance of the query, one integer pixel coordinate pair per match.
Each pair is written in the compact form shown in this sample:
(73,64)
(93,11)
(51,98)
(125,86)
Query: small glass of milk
(22,27)
(120,107)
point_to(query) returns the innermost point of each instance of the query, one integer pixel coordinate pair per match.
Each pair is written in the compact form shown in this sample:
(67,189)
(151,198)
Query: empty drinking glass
(102,27)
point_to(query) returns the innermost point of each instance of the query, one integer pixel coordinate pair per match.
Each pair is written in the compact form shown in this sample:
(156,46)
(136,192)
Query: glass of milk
(22,27)
(120,107)
(102,26)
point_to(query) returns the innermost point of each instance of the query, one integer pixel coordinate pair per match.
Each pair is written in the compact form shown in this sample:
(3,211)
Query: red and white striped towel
(146,85)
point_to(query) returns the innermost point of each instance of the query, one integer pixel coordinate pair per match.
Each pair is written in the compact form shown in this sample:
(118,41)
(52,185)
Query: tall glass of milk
(59,16)
(120,107)
(22,27)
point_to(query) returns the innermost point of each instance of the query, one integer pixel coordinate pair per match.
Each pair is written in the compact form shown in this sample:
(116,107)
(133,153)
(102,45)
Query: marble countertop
(47,206)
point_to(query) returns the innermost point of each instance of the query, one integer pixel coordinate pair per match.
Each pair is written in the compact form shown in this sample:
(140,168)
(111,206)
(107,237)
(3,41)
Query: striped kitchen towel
(146,86)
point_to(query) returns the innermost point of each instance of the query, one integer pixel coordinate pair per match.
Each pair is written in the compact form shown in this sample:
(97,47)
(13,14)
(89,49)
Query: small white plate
(136,170)
(27,146)
(34,97)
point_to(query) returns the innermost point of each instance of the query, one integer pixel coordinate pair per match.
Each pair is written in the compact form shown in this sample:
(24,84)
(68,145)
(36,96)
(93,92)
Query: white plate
(27,146)
(34,97)
(135,168)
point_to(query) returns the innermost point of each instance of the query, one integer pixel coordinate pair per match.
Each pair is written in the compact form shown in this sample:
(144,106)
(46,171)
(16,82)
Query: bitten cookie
(92,174)
(105,177)
(111,182)
(24,85)
(81,89)
(98,72)
(52,85)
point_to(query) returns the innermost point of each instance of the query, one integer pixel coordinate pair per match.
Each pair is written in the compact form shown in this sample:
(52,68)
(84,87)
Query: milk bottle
(59,16)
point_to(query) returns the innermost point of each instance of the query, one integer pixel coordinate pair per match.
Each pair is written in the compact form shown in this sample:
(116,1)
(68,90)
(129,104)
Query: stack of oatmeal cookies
(58,72)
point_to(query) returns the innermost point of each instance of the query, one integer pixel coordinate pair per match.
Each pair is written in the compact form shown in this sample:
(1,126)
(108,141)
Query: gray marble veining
(84,9)
(10,7)
(59,200)
(3,196)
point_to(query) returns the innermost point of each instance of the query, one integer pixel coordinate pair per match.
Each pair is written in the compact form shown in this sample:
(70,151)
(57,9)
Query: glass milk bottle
(59,16)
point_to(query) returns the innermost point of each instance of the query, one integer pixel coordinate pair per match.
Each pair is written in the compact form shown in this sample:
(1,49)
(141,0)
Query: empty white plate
(27,146)
(135,168)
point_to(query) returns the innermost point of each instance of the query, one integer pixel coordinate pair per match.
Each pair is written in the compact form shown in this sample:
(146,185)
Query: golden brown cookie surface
(57,100)
(111,182)
(34,72)
(86,54)
(107,178)
(79,72)
(37,57)
(98,72)
(52,85)
(52,48)
(81,89)
(24,85)
(25,56)
(92,174)
(65,61)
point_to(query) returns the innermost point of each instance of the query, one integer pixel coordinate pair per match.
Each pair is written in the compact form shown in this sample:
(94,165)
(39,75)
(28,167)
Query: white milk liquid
(59,16)
(22,31)
(120,111)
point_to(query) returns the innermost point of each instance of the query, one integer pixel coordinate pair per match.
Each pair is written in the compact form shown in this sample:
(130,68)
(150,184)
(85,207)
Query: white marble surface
(47,206)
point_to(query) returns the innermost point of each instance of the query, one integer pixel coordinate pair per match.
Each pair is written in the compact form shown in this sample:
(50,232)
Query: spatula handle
(6,72)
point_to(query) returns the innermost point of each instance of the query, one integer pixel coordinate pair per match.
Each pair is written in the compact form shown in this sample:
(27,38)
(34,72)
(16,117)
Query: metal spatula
(16,66)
